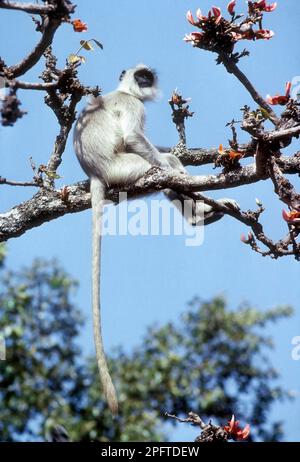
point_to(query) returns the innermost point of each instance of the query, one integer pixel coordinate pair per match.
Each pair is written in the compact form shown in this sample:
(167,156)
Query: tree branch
(31,8)
(232,68)
(50,22)
(50,27)
(280,134)
(48,204)
(33,86)
(17,183)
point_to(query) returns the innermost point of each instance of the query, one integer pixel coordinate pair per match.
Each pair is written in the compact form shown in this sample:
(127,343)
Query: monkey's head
(140,81)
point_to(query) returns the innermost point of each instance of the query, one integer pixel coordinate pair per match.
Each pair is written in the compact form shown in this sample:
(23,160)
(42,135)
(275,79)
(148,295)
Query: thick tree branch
(49,204)
(45,206)
(201,156)
(281,134)
(50,27)
(60,11)
(283,188)
(31,8)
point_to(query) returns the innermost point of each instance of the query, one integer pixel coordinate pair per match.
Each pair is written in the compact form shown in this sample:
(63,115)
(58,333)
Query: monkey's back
(96,135)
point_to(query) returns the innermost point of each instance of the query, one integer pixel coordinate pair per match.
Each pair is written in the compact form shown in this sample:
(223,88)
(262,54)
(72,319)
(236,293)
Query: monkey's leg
(126,169)
(195,210)
(197,213)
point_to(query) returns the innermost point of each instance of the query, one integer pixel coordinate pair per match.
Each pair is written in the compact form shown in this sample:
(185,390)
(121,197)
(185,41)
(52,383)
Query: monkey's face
(140,81)
(145,78)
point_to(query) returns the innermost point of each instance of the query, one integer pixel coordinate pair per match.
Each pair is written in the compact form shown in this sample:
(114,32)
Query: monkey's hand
(230,203)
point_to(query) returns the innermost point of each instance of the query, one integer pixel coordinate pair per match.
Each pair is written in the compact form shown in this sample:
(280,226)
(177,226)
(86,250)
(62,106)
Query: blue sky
(150,279)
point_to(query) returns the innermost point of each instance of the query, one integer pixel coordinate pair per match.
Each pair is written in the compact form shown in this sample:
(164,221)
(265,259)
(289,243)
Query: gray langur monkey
(112,149)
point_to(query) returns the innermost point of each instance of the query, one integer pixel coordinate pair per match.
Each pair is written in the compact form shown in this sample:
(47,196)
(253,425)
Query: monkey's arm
(132,123)
(139,144)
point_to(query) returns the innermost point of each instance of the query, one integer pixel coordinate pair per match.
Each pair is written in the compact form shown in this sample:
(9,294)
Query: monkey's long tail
(97,198)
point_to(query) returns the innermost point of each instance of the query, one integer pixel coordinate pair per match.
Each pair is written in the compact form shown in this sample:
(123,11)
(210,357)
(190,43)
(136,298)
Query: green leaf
(53,175)
(264,113)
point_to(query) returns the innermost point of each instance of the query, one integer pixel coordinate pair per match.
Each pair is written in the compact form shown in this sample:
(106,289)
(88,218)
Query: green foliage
(40,326)
(213,362)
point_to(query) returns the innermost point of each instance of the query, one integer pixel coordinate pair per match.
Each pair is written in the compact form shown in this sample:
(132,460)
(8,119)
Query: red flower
(262,6)
(217,14)
(189,17)
(264,34)
(253,35)
(233,155)
(237,36)
(281,99)
(79,26)
(292,217)
(231,6)
(235,431)
(194,37)
(200,16)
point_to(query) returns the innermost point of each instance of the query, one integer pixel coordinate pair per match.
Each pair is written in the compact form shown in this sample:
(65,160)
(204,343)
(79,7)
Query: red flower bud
(264,34)
(217,14)
(235,431)
(190,18)
(231,6)
(292,217)
(194,37)
(280,99)
(262,6)
(79,26)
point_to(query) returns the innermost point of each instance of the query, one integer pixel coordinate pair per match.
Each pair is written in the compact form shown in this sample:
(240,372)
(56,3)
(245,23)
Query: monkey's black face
(145,78)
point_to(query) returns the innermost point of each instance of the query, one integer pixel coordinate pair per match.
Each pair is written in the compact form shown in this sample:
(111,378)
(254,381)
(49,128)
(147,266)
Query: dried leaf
(86,44)
(72,59)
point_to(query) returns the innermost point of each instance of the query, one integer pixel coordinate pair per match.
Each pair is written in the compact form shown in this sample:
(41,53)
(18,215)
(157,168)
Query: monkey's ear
(122,75)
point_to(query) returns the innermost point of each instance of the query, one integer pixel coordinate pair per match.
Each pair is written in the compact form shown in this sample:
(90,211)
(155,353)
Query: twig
(209,433)
(17,183)
(192,418)
(33,86)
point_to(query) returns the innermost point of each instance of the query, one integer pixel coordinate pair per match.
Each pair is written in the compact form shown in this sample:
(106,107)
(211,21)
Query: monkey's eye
(144,78)
(122,75)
